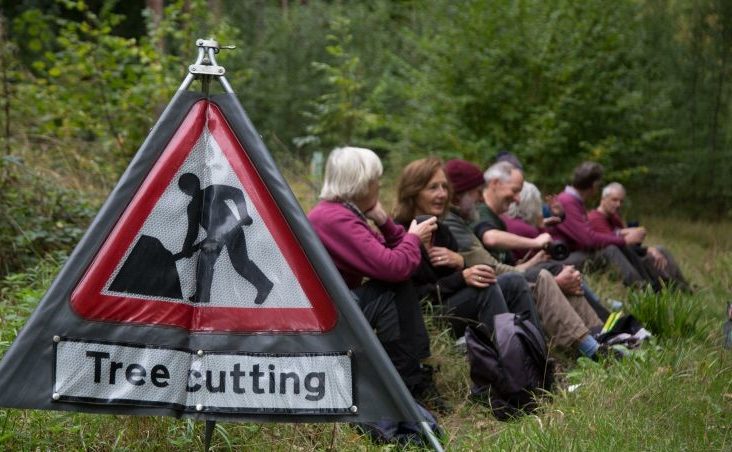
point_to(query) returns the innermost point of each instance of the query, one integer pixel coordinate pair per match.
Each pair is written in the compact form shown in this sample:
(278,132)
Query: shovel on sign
(150,268)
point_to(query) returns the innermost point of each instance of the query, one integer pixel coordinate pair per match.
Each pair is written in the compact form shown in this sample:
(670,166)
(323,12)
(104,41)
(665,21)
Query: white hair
(501,171)
(348,173)
(529,208)
(613,187)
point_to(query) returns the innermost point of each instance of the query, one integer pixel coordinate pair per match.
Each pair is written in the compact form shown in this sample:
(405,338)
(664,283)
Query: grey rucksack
(511,369)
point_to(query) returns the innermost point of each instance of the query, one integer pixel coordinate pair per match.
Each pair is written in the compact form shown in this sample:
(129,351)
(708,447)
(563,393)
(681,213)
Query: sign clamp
(205,67)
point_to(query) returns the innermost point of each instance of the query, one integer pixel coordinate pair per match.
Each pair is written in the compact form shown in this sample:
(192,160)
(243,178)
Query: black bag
(510,371)
(625,330)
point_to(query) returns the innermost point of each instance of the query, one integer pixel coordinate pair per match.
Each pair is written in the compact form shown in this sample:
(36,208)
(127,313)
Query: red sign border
(88,301)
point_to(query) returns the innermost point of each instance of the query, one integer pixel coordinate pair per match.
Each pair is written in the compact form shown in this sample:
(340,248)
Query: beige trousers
(566,319)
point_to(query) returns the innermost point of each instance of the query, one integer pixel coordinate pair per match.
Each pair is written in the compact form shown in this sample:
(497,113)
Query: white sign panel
(216,382)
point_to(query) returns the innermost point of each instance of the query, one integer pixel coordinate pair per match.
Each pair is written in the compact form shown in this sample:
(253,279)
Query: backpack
(623,330)
(510,371)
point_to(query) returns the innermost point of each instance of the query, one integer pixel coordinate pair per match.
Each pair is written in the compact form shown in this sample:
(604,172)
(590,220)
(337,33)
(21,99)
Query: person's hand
(536,259)
(479,276)
(424,229)
(377,214)
(542,240)
(633,236)
(569,280)
(659,260)
(445,257)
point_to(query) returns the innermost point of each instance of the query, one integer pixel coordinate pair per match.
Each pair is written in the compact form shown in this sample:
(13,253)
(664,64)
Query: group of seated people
(473,243)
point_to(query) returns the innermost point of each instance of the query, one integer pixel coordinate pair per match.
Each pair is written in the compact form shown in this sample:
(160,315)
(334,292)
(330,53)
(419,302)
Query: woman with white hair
(526,218)
(349,202)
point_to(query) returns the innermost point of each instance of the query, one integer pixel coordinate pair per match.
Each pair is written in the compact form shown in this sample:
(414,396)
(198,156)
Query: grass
(675,394)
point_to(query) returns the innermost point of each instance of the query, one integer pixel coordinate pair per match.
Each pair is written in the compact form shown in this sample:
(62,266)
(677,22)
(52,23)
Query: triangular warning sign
(204,246)
(200,290)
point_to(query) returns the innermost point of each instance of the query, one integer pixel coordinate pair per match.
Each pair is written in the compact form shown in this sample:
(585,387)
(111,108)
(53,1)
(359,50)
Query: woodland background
(642,86)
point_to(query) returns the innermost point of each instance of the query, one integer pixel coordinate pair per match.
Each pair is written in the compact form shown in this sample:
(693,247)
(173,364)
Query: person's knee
(513,282)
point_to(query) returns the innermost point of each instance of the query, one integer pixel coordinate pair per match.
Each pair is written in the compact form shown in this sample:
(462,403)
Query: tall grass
(669,313)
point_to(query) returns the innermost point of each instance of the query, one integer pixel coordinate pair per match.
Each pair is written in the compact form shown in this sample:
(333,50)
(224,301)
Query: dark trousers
(622,259)
(394,312)
(474,305)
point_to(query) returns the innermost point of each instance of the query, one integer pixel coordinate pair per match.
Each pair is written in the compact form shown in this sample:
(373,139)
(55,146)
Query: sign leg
(207,434)
(434,442)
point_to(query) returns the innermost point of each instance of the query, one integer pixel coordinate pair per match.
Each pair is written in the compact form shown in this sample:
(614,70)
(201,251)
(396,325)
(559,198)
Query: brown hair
(586,174)
(414,178)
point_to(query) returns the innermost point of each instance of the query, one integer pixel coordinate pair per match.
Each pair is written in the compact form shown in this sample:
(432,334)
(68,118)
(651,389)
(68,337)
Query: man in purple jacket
(588,245)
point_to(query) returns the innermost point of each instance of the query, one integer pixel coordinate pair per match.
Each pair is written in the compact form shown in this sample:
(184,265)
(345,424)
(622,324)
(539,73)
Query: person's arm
(228,192)
(356,249)
(495,238)
(192,233)
(471,249)
(576,226)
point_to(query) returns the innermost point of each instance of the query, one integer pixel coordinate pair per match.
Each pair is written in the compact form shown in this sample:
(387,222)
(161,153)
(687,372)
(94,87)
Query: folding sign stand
(200,290)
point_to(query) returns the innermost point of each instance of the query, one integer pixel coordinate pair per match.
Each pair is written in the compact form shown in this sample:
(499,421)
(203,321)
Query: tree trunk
(157,7)
(214,9)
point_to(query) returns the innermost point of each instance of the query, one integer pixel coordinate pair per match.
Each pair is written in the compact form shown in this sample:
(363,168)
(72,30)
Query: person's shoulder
(453,219)
(595,214)
(564,197)
(326,211)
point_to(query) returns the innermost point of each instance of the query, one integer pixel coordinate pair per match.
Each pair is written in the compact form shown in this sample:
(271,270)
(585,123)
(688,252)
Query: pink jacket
(576,231)
(358,251)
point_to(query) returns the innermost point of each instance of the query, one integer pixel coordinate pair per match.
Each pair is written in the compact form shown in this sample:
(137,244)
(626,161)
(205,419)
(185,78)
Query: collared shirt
(573,191)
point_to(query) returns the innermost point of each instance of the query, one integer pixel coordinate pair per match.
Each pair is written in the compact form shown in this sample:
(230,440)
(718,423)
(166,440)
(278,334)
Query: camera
(421,218)
(557,250)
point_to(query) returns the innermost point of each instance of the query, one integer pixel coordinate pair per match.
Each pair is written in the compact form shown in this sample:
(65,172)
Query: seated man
(597,248)
(526,218)
(606,220)
(566,320)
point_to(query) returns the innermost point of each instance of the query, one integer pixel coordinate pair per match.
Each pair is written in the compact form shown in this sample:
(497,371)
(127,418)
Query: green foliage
(41,216)
(339,116)
(555,82)
(668,314)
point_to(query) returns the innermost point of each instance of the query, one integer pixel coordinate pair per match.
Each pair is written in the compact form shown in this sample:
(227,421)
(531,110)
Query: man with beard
(567,322)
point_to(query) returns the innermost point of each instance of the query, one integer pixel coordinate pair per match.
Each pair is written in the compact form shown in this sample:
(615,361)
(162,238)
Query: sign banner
(132,374)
